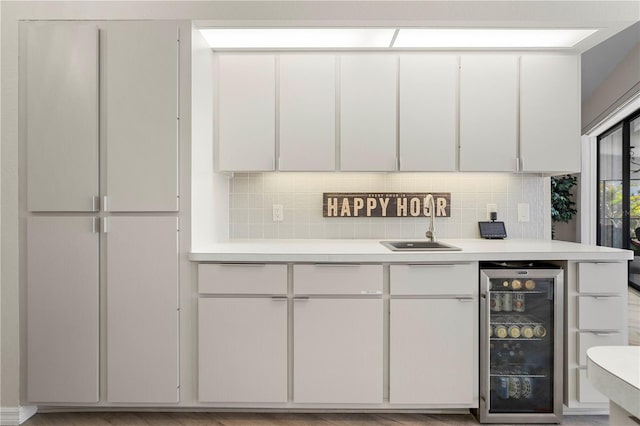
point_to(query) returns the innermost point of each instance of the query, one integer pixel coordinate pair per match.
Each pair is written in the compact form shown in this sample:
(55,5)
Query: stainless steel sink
(418,246)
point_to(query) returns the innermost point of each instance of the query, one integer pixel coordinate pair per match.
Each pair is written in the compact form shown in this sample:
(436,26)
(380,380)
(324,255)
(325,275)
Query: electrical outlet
(523,212)
(278,213)
(491,208)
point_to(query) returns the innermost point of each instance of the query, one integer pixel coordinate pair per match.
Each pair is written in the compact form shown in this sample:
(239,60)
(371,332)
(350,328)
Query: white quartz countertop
(615,371)
(343,250)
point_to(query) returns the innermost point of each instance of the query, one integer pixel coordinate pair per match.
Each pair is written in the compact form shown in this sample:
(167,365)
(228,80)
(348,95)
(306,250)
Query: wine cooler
(521,343)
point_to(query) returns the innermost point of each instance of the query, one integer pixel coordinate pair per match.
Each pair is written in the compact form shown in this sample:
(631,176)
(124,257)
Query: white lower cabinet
(242,333)
(433,334)
(242,352)
(596,298)
(338,347)
(62,310)
(313,335)
(433,351)
(142,309)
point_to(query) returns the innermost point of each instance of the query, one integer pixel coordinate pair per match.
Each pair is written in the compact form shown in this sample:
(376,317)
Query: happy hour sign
(384,204)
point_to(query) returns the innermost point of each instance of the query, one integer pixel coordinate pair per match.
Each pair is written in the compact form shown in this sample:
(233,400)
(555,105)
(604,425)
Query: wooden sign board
(384,204)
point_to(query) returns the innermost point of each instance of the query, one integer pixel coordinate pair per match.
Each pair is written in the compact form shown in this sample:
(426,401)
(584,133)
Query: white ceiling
(609,17)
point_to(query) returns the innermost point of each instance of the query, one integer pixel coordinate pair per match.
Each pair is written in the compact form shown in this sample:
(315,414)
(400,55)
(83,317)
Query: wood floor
(273,419)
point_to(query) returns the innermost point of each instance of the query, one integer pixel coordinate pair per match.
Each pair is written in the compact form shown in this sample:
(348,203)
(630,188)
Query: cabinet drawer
(337,279)
(242,278)
(602,277)
(588,339)
(601,312)
(586,391)
(434,279)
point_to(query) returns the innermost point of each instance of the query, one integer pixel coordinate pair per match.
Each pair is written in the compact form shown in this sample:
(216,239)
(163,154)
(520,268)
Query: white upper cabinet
(368,112)
(428,104)
(62,111)
(140,123)
(488,112)
(498,112)
(307,113)
(550,113)
(246,115)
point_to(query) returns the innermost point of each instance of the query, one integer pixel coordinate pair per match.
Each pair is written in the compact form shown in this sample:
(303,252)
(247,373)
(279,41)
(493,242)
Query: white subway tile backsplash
(252,196)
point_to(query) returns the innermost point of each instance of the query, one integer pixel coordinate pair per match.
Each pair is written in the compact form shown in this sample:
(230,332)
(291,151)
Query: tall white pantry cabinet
(101,121)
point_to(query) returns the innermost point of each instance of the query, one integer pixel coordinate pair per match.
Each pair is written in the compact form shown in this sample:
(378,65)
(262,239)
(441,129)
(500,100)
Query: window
(619,190)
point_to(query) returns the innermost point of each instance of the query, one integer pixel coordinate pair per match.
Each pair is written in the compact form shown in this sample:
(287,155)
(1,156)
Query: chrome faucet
(431,232)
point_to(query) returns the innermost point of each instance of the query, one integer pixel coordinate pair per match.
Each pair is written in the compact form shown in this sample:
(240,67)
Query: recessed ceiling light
(481,37)
(291,38)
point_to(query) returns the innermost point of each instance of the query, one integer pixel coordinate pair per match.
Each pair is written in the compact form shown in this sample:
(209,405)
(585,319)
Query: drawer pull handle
(340,265)
(251,265)
(279,298)
(430,265)
(464,299)
(603,333)
(301,298)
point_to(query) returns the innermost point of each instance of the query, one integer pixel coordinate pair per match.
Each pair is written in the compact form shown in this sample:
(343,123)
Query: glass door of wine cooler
(521,353)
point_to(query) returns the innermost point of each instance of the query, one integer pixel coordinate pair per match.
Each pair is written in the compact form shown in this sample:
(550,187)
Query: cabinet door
(433,355)
(62,310)
(62,116)
(242,350)
(550,113)
(428,112)
(142,315)
(337,351)
(368,100)
(307,113)
(247,108)
(488,112)
(140,119)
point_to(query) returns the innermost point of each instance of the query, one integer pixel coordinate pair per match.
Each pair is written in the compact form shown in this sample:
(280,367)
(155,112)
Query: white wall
(253,195)
(209,190)
(622,84)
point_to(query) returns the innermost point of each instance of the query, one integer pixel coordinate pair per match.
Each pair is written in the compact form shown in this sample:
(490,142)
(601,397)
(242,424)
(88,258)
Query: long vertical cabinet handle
(105,225)
(95,203)
(95,225)
(104,203)
(485,388)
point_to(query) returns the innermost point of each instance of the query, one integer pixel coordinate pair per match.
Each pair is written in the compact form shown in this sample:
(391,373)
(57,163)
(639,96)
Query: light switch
(523,212)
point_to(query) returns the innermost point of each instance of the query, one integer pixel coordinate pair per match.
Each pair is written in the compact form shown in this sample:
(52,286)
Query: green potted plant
(562,206)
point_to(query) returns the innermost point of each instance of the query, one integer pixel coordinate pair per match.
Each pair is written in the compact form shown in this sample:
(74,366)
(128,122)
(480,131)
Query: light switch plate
(523,212)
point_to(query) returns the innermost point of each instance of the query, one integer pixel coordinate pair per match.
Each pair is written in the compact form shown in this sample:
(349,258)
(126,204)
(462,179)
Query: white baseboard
(27,411)
(13,416)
